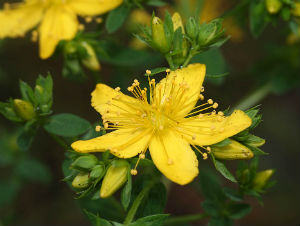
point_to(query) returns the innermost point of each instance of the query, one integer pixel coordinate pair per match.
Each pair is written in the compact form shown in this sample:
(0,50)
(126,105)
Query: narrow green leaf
(154,220)
(126,192)
(116,18)
(96,220)
(223,170)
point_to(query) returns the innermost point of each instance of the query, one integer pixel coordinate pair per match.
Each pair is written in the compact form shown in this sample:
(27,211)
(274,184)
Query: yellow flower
(168,122)
(57,19)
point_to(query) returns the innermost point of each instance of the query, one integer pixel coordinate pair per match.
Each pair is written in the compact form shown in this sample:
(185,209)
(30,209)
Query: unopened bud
(24,109)
(192,28)
(91,60)
(85,162)
(115,177)
(158,35)
(296,10)
(177,22)
(261,178)
(273,6)
(232,151)
(81,180)
(97,172)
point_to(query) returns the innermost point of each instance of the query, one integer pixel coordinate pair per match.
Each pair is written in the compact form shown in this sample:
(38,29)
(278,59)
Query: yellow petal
(182,88)
(111,103)
(19,19)
(93,7)
(211,129)
(124,143)
(59,23)
(174,157)
(177,22)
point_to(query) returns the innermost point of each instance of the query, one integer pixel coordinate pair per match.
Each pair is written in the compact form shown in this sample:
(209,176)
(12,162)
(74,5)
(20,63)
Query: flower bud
(273,6)
(177,22)
(158,35)
(97,171)
(192,28)
(206,33)
(81,180)
(91,60)
(115,177)
(24,109)
(296,10)
(85,162)
(232,151)
(261,178)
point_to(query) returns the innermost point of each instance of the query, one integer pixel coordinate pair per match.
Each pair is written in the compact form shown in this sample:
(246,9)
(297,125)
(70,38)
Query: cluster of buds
(180,42)
(89,172)
(76,53)
(275,6)
(33,102)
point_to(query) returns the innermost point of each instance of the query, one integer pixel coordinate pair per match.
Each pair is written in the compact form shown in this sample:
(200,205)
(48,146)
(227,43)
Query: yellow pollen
(88,19)
(142,156)
(133,172)
(201,97)
(98,20)
(220,113)
(168,70)
(80,27)
(210,101)
(208,149)
(34,36)
(130,88)
(213,112)
(117,89)
(215,105)
(202,89)
(148,72)
(105,125)
(98,128)
(204,156)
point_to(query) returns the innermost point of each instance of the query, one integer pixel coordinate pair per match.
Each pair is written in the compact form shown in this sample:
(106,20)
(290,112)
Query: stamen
(98,20)
(148,72)
(215,105)
(98,128)
(133,172)
(210,101)
(88,19)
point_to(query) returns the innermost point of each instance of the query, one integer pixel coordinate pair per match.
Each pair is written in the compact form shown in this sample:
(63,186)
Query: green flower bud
(192,28)
(261,178)
(158,35)
(115,177)
(177,22)
(245,176)
(232,151)
(81,180)
(24,109)
(273,6)
(97,172)
(70,48)
(206,33)
(296,10)
(85,162)
(91,61)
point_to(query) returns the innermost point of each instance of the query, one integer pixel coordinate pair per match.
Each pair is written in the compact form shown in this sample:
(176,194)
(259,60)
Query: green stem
(235,9)
(255,97)
(182,220)
(170,62)
(188,59)
(132,211)
(60,141)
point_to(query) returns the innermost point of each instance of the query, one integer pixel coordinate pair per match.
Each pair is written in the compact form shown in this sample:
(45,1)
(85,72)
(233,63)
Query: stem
(170,62)
(188,59)
(132,211)
(182,220)
(60,141)
(235,9)
(254,97)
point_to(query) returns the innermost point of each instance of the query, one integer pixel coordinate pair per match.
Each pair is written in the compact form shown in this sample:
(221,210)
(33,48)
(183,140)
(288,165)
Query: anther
(117,89)
(202,89)
(213,127)
(210,101)
(215,105)
(88,19)
(142,156)
(220,113)
(98,20)
(221,130)
(105,125)
(161,127)
(34,36)
(168,70)
(201,97)
(208,149)
(133,172)
(144,115)
(170,161)
(200,116)
(194,137)
(204,156)
(148,72)
(80,27)
(98,128)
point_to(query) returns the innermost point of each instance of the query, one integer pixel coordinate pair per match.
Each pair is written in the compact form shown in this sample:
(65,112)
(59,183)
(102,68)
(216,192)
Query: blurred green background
(251,63)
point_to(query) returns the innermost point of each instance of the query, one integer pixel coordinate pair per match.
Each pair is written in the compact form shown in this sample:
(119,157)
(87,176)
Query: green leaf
(239,210)
(26,135)
(223,143)
(220,221)
(8,191)
(233,194)
(258,17)
(26,92)
(66,124)
(116,18)
(33,170)
(156,3)
(211,208)
(154,220)
(126,192)
(223,170)
(96,220)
